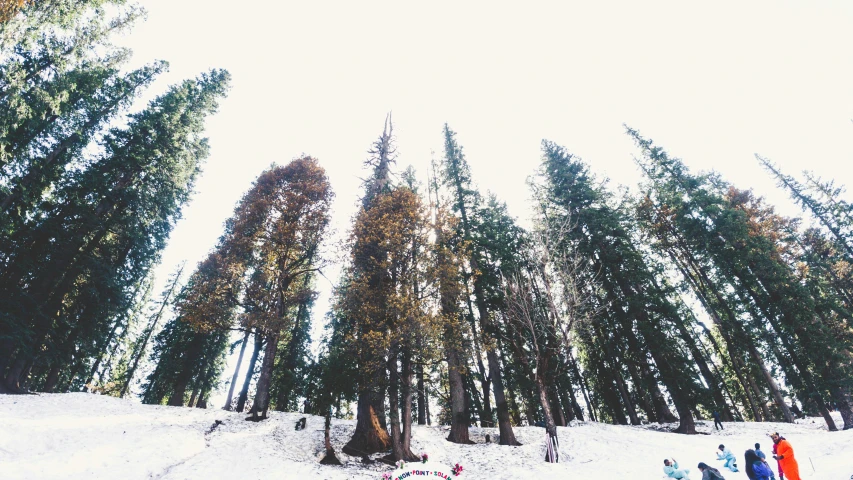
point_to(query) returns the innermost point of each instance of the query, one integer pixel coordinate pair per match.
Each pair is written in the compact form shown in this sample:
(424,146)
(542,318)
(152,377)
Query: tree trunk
(101,353)
(662,410)
(584,389)
(400,445)
(621,386)
(626,396)
(184,376)
(15,376)
(330,458)
(426,396)
(845,405)
(7,350)
(552,455)
(394,398)
(459,420)
(565,393)
(191,403)
(406,391)
(262,392)
(421,396)
(236,371)
(244,392)
(710,379)
(369,436)
(703,287)
(771,383)
(150,331)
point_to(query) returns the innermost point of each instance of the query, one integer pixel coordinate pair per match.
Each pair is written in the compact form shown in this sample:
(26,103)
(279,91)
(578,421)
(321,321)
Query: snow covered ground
(77,435)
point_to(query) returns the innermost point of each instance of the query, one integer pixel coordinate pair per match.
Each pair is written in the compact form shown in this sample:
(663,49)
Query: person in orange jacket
(785,457)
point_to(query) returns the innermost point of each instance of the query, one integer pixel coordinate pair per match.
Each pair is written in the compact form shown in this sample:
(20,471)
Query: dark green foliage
(187,360)
(635,312)
(84,222)
(742,256)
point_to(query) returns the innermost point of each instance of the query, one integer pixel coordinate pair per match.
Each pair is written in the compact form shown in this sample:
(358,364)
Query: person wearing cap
(785,457)
(710,473)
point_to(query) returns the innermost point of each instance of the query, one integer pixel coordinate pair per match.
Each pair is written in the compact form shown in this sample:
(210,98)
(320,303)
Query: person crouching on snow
(670,468)
(710,473)
(729,457)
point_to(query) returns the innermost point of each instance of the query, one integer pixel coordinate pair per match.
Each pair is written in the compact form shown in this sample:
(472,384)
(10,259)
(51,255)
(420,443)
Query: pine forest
(669,301)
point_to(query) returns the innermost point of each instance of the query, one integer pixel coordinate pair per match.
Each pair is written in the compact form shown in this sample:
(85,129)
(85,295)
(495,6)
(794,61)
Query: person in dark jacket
(717,421)
(756,468)
(710,473)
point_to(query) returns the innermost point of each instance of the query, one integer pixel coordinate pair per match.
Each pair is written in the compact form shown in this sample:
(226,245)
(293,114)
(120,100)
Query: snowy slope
(70,436)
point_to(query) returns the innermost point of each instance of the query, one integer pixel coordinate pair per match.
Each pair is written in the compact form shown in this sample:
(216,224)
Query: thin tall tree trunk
(244,392)
(406,391)
(236,371)
(771,383)
(421,396)
(184,376)
(191,403)
(703,287)
(150,331)
(584,388)
(330,458)
(485,410)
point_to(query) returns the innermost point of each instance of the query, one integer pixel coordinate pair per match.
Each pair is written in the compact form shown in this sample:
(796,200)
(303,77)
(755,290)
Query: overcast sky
(713,84)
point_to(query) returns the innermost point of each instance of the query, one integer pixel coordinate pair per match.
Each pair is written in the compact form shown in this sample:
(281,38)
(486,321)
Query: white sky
(713,84)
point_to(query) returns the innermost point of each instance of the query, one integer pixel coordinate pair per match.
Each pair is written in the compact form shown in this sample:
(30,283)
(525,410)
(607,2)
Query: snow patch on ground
(84,436)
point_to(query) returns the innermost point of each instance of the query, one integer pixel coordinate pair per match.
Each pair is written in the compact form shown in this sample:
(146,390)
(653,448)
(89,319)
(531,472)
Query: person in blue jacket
(670,468)
(760,454)
(756,468)
(729,457)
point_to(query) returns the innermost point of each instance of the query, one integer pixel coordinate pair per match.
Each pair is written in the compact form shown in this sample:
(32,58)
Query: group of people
(755,463)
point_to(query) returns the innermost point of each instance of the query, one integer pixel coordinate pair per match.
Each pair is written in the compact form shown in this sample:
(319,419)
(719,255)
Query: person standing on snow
(785,457)
(717,421)
(756,468)
(710,473)
(729,457)
(670,468)
(778,463)
(760,454)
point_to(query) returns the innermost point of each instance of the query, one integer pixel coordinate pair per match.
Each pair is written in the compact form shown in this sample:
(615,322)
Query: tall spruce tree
(105,224)
(635,312)
(743,244)
(465,201)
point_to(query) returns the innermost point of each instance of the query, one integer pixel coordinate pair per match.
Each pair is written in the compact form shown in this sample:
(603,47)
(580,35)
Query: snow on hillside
(83,436)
